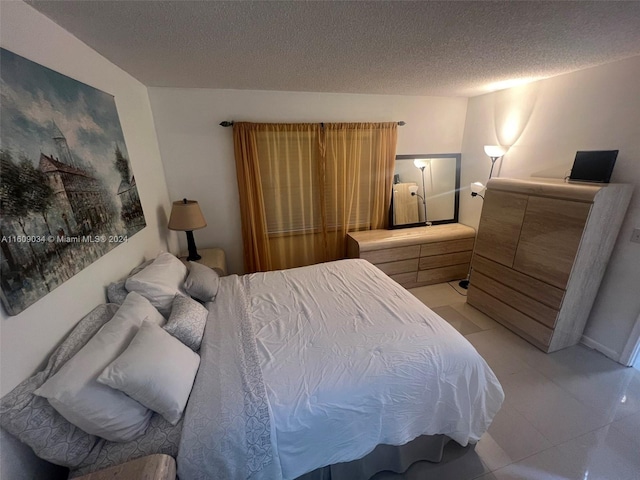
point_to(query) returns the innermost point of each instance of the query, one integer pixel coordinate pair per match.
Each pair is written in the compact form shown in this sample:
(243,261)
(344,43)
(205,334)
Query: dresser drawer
(527,305)
(551,234)
(401,266)
(407,280)
(536,289)
(449,246)
(500,225)
(391,254)
(446,260)
(442,274)
(511,318)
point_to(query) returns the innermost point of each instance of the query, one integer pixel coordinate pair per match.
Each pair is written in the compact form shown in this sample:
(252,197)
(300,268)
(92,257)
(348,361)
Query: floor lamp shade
(186,216)
(477,188)
(496,151)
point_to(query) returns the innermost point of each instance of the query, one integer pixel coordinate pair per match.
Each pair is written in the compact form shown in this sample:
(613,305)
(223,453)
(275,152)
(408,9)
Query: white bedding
(351,360)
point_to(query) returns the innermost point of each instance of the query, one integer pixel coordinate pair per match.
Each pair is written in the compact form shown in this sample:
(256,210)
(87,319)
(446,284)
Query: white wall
(198,154)
(547,122)
(28,338)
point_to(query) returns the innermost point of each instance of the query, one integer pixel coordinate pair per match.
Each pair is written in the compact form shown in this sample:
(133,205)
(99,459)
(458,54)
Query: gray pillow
(202,282)
(187,321)
(116,292)
(34,421)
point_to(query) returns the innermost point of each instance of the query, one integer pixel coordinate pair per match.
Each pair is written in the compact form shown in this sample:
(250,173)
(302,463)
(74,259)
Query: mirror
(426,190)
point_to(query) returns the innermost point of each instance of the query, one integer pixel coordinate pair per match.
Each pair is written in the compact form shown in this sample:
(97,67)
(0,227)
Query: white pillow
(187,321)
(160,281)
(156,370)
(91,406)
(117,292)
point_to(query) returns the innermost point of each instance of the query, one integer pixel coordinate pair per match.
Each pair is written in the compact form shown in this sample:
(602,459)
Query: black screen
(595,166)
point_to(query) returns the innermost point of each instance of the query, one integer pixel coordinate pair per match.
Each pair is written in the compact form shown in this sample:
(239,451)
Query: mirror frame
(456,197)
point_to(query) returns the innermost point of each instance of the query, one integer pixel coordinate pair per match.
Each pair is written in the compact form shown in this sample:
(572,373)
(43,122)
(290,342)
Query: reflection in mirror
(425,190)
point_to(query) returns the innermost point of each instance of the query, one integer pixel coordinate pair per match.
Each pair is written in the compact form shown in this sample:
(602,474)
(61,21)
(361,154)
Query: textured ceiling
(386,47)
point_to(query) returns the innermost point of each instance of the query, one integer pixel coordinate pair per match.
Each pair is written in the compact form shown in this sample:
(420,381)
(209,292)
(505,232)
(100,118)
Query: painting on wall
(67,191)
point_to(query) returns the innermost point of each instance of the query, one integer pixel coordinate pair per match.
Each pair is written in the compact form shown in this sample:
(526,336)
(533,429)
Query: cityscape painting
(67,191)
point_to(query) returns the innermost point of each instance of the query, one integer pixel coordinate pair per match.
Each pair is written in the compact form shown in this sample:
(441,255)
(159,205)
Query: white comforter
(351,360)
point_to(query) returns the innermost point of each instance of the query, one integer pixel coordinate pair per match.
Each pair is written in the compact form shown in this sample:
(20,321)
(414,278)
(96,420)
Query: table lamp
(186,216)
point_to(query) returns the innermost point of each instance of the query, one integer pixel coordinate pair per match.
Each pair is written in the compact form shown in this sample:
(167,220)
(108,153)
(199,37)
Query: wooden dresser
(542,249)
(416,256)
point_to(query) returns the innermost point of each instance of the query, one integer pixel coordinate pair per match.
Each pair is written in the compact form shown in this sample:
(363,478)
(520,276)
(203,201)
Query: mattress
(351,360)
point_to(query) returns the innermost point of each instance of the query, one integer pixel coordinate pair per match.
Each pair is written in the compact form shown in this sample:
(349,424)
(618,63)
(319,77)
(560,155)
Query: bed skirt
(384,457)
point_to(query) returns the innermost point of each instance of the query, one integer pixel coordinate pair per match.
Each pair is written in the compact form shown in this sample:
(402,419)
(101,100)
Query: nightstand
(213,258)
(151,467)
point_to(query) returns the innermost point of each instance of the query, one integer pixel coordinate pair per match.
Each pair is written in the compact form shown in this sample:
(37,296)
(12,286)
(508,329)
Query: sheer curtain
(358,176)
(304,186)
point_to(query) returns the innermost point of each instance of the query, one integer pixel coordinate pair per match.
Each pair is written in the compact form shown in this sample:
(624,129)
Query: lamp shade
(495,151)
(477,187)
(186,216)
(421,162)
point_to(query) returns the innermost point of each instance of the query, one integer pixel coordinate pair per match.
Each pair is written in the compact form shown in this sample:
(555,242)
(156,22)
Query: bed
(313,367)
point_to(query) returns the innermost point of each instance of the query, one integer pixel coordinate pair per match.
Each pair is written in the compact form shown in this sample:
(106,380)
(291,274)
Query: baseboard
(606,351)
(631,350)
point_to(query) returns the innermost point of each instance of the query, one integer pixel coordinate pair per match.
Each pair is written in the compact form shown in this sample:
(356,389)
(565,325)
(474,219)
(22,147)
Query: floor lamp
(421,164)
(494,152)
(477,189)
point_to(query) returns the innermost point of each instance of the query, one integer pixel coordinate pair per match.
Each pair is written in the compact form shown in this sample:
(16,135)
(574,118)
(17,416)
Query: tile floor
(572,414)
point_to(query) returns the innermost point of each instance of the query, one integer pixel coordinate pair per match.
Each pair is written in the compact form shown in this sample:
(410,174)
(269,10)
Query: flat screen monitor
(593,166)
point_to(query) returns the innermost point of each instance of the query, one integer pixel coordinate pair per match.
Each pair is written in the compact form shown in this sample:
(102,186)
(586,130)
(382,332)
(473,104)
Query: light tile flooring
(572,414)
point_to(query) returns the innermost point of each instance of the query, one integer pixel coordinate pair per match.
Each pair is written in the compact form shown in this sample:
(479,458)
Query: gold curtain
(359,160)
(304,186)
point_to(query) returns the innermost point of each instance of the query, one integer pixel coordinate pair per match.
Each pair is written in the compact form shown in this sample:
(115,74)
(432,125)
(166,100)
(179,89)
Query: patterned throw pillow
(187,321)
(116,292)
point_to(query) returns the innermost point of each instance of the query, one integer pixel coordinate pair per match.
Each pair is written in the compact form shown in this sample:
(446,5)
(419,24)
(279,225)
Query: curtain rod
(227,123)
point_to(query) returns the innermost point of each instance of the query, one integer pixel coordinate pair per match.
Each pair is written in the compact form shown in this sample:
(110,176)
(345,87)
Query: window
(304,186)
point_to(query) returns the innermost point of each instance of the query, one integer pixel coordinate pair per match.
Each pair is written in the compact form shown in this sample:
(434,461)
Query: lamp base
(191,246)
(464,284)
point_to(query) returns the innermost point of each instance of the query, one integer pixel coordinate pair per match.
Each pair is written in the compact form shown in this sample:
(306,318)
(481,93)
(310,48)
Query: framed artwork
(67,191)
